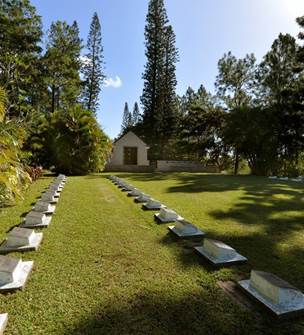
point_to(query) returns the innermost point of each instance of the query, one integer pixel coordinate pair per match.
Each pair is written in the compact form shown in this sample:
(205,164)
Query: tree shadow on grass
(155,176)
(192,183)
(202,311)
(277,218)
(271,217)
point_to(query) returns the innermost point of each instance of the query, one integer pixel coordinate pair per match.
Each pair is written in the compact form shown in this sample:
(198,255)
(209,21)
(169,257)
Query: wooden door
(130,155)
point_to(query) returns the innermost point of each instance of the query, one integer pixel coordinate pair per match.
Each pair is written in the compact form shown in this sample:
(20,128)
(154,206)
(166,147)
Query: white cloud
(84,60)
(115,83)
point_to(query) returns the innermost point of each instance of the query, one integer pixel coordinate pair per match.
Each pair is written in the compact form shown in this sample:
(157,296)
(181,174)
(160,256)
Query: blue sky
(205,30)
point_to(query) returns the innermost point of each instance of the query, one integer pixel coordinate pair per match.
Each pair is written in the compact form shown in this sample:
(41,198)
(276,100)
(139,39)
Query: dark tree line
(51,93)
(256,114)
(130,120)
(158,98)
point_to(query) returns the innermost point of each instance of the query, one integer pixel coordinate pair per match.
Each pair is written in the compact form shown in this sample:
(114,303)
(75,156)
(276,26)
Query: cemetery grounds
(106,267)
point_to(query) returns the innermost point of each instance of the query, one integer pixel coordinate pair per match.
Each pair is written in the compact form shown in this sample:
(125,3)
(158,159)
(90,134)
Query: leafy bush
(70,141)
(13,177)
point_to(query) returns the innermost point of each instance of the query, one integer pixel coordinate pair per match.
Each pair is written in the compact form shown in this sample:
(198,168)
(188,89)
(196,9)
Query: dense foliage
(93,66)
(13,176)
(45,119)
(256,114)
(158,98)
(76,142)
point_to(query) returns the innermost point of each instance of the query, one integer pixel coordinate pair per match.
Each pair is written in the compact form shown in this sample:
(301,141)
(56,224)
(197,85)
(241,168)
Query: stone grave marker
(127,187)
(50,197)
(273,293)
(219,253)
(167,215)
(153,204)
(21,239)
(3,322)
(185,229)
(36,219)
(142,198)
(44,207)
(13,273)
(134,193)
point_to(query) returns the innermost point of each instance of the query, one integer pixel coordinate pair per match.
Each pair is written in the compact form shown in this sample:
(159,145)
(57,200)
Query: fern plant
(12,174)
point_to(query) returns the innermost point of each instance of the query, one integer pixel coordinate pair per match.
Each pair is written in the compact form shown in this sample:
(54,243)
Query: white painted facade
(129,140)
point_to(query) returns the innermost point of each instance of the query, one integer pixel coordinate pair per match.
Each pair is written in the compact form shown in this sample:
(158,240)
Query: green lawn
(105,267)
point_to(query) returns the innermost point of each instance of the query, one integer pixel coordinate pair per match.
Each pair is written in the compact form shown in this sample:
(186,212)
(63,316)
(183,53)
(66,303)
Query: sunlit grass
(105,267)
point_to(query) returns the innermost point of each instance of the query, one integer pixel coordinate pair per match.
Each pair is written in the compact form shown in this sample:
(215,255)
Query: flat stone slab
(153,205)
(184,229)
(55,187)
(153,208)
(274,294)
(20,281)
(58,190)
(128,188)
(3,322)
(142,199)
(134,193)
(167,215)
(34,245)
(50,199)
(34,217)
(297,180)
(44,207)
(219,254)
(44,224)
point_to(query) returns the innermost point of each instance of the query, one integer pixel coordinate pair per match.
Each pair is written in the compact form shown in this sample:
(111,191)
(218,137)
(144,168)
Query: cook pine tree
(135,115)
(126,120)
(93,66)
(169,118)
(158,97)
(152,97)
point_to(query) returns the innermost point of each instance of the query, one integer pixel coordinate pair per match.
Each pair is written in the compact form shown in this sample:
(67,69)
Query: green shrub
(13,177)
(70,142)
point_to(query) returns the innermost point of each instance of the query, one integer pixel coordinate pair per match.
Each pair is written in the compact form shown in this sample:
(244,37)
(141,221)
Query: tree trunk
(236,162)
(53,99)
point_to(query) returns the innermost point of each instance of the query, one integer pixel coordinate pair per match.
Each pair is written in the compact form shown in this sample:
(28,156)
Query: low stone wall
(128,168)
(184,166)
(163,166)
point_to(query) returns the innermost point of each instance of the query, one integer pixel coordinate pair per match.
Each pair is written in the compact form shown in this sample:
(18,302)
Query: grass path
(105,267)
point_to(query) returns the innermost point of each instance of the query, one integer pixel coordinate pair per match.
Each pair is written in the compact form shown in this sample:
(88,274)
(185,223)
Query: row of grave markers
(14,272)
(297,180)
(276,295)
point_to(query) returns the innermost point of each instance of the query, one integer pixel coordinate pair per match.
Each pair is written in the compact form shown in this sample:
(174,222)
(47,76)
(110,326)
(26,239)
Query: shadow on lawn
(200,312)
(275,211)
(192,183)
(201,182)
(276,246)
(155,176)
(206,311)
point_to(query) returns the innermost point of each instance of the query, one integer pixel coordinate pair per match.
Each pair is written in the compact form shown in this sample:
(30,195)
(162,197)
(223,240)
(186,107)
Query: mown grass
(105,267)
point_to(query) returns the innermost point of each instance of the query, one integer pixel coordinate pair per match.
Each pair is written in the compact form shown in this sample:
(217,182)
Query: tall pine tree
(158,99)
(126,120)
(169,121)
(20,36)
(152,97)
(135,114)
(63,64)
(93,66)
